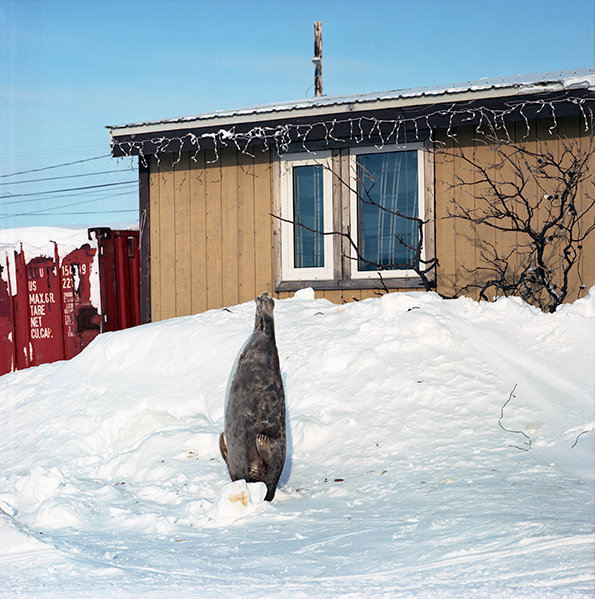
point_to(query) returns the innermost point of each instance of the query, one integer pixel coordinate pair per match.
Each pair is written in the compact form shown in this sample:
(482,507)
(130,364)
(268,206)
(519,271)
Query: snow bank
(435,448)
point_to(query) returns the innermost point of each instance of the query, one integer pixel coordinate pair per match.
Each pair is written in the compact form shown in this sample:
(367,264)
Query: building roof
(485,88)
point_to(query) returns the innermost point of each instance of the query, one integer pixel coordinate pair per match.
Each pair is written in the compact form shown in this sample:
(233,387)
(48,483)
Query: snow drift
(436,448)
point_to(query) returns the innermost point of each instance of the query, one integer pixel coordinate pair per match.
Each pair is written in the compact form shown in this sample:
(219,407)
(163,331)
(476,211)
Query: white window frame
(288,270)
(353,207)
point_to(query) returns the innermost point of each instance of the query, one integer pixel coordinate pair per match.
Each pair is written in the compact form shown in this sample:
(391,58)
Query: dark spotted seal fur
(253,443)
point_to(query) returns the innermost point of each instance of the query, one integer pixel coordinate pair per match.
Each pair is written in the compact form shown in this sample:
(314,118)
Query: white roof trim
(476,90)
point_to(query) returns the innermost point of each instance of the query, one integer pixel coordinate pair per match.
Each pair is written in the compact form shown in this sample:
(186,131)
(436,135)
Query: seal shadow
(286,472)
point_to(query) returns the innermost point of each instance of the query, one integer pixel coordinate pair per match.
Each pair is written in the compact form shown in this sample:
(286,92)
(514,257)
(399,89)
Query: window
(386,198)
(306,207)
(376,196)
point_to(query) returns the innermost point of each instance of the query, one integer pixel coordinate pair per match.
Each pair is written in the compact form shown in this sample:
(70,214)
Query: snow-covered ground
(413,469)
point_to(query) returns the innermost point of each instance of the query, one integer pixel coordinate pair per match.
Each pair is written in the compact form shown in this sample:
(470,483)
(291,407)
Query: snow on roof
(481,88)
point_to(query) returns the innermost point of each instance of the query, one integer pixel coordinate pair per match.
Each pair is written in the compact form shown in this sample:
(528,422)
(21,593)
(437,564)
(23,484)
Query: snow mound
(435,449)
(237,499)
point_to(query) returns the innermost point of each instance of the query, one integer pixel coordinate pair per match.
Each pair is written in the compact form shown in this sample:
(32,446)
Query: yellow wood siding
(183,268)
(444,170)
(211,230)
(229,227)
(214,231)
(246,229)
(263,221)
(213,236)
(459,243)
(198,233)
(155,239)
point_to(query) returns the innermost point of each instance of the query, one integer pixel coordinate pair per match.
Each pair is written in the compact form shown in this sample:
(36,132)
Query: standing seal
(254,440)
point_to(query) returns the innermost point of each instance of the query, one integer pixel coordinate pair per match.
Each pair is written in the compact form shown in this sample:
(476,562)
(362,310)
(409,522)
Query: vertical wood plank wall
(211,231)
(212,236)
(459,242)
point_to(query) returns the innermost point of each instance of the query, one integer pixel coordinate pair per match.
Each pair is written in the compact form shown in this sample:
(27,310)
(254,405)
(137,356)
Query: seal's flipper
(264,448)
(257,469)
(223,448)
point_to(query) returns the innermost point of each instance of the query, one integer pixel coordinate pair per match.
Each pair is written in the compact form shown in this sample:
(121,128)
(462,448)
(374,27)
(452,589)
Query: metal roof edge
(480,89)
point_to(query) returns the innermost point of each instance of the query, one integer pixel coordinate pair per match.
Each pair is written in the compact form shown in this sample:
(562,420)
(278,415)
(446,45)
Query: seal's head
(265,305)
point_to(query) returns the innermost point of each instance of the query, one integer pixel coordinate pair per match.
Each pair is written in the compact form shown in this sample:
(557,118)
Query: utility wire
(132,189)
(47,211)
(71,213)
(45,168)
(37,193)
(89,201)
(67,176)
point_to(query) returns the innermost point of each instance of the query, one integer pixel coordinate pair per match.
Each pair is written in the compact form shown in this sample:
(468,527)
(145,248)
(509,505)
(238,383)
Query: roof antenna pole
(317,60)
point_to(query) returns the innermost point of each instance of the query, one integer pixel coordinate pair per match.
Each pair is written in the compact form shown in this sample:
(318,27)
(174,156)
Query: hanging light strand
(360,129)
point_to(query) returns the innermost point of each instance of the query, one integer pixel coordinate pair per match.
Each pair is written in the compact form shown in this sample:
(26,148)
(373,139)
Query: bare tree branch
(528,442)
(531,192)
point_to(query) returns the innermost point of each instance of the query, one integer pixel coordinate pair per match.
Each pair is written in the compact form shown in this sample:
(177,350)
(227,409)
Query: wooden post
(317,60)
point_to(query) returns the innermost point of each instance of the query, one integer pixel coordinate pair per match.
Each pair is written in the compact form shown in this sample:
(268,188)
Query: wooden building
(234,203)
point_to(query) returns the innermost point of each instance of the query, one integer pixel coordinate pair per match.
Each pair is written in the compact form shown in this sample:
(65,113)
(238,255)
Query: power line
(70,213)
(132,189)
(48,211)
(36,193)
(45,168)
(57,153)
(67,176)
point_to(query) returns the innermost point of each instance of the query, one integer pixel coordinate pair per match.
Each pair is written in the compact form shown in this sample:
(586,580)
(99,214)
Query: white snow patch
(237,499)
(407,473)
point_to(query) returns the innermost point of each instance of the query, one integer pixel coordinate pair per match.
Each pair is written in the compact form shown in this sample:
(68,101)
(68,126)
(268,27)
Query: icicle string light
(380,132)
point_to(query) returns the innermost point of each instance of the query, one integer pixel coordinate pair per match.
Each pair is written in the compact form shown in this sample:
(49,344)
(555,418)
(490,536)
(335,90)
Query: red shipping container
(7,347)
(39,317)
(81,321)
(119,276)
(49,314)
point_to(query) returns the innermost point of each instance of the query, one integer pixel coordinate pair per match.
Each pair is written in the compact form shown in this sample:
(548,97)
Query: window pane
(308,210)
(389,181)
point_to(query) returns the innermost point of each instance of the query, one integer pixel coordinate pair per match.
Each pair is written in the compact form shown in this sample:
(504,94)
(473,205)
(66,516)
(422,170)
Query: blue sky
(68,68)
